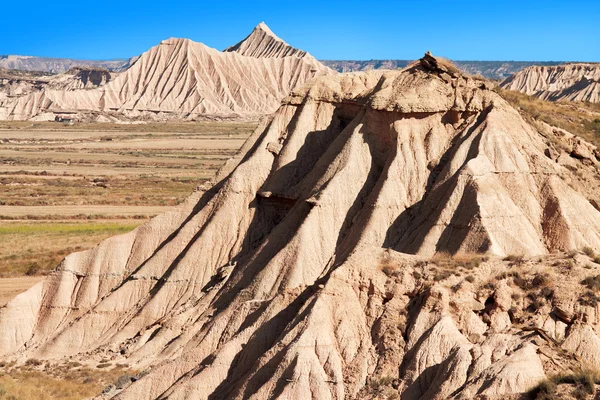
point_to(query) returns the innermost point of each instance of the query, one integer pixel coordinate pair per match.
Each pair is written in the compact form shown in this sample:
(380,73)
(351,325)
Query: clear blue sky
(547,30)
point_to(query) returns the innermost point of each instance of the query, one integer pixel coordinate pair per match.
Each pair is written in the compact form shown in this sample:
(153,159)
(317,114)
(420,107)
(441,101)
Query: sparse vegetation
(33,248)
(47,381)
(576,117)
(56,181)
(592,283)
(588,251)
(514,258)
(583,381)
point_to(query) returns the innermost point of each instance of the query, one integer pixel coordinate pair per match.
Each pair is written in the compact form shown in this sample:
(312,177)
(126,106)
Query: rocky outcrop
(180,78)
(571,82)
(305,270)
(81,78)
(18,84)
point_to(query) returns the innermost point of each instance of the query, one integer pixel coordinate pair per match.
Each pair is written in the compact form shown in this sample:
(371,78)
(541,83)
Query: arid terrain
(251,224)
(403,234)
(64,188)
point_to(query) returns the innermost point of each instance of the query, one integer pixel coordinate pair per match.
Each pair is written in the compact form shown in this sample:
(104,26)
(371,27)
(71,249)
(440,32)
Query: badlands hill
(317,263)
(572,82)
(180,78)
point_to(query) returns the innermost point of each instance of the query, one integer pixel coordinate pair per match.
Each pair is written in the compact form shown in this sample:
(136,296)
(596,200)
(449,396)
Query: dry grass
(30,248)
(53,382)
(592,283)
(583,382)
(581,119)
(457,261)
(62,180)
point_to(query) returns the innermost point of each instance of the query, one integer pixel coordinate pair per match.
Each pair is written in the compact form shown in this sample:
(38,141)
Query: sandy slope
(572,82)
(270,283)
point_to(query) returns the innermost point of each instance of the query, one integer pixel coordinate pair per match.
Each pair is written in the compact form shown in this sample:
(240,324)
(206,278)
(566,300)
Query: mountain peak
(263,43)
(263,27)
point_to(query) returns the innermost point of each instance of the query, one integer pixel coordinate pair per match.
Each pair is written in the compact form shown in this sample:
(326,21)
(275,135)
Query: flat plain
(64,188)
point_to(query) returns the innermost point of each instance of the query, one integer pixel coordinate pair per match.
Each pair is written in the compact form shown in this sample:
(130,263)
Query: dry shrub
(584,381)
(387,266)
(463,260)
(514,258)
(588,251)
(589,299)
(592,283)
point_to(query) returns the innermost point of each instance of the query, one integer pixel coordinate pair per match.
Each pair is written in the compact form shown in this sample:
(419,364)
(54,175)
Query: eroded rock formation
(305,270)
(572,82)
(180,78)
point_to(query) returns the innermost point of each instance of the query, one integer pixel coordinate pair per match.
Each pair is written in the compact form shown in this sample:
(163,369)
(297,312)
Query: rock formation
(180,78)
(305,270)
(571,82)
(15,85)
(74,79)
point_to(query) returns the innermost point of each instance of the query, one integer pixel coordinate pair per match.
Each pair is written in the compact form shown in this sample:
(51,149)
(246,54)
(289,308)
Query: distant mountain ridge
(266,44)
(499,70)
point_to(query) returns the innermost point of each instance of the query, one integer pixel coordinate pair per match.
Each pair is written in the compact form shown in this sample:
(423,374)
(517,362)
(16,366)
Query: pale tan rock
(573,82)
(305,272)
(180,78)
(585,343)
(517,373)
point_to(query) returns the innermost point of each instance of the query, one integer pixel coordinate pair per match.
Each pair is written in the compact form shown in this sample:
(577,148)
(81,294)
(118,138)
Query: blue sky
(547,30)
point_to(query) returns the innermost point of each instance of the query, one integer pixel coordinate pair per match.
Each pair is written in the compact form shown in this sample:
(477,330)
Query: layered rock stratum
(182,79)
(570,82)
(353,248)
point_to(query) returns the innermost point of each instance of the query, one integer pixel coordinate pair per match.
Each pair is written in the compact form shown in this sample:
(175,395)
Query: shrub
(592,283)
(588,251)
(33,269)
(546,390)
(584,381)
(32,362)
(589,299)
(388,269)
(514,258)
(440,276)
(540,280)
